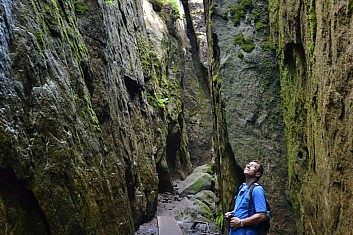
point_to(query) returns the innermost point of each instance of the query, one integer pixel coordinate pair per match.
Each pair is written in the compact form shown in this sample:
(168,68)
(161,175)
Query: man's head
(254,169)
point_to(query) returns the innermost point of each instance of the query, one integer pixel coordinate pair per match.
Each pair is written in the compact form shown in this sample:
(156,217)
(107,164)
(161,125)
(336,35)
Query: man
(241,223)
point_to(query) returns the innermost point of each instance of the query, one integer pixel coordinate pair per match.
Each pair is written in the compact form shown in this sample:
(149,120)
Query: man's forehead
(255,163)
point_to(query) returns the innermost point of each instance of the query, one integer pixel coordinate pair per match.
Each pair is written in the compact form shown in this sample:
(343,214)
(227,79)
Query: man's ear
(258,174)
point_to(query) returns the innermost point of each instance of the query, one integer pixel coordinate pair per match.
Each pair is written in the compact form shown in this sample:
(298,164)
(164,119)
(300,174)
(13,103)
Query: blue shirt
(241,207)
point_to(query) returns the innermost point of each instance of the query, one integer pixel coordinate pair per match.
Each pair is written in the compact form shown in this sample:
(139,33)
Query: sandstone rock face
(246,95)
(92,121)
(314,41)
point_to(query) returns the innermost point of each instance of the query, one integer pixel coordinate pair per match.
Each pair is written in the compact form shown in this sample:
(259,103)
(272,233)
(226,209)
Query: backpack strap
(250,194)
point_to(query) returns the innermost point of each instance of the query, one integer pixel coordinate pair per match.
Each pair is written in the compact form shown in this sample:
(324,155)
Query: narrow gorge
(107,104)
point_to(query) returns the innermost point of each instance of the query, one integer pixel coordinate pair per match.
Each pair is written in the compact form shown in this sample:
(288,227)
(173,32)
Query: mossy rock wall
(77,137)
(84,120)
(247,104)
(314,40)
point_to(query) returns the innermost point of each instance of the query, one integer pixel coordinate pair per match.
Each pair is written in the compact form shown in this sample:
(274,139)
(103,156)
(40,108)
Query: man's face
(251,169)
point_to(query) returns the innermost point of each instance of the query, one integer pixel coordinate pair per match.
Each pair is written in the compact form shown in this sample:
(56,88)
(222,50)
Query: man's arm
(259,201)
(254,219)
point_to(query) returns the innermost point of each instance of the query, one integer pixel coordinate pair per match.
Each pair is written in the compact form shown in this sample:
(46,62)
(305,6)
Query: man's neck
(249,181)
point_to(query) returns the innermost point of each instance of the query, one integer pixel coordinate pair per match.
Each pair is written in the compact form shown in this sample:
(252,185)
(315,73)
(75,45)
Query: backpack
(264,226)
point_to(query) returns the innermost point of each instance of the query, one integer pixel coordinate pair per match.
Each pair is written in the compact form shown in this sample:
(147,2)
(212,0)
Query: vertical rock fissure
(200,70)
(196,89)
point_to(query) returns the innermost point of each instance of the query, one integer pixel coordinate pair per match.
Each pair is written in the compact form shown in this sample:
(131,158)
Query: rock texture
(198,102)
(77,148)
(104,102)
(92,121)
(195,182)
(314,41)
(195,200)
(247,104)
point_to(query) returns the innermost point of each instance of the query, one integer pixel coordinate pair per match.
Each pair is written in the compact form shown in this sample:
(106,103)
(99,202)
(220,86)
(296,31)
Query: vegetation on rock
(239,11)
(247,44)
(314,90)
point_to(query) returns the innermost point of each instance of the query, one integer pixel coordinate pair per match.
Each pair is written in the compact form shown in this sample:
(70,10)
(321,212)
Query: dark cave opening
(23,211)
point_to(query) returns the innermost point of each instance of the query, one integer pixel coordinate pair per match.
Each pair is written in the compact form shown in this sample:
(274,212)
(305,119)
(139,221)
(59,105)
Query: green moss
(220,219)
(110,2)
(212,168)
(39,32)
(259,26)
(312,18)
(247,44)
(203,124)
(349,7)
(225,15)
(40,42)
(162,87)
(86,111)
(238,40)
(64,20)
(144,57)
(257,16)
(246,3)
(311,47)
(240,54)
(172,4)
(216,81)
(163,101)
(66,23)
(239,11)
(80,7)
(313,26)
(175,6)
(267,45)
(193,113)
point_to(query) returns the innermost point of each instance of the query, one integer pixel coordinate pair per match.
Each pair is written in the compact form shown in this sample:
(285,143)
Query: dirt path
(166,203)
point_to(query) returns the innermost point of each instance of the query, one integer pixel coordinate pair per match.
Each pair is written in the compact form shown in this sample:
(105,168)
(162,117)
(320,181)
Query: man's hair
(261,168)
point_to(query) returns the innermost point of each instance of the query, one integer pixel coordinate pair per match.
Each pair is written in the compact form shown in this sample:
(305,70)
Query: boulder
(194,183)
(193,209)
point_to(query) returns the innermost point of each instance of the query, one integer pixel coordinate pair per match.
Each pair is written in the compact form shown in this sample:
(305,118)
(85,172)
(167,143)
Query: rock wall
(77,146)
(92,121)
(101,107)
(314,46)
(246,96)
(198,102)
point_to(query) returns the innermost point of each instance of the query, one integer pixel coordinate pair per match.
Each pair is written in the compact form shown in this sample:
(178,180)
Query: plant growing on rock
(259,26)
(247,44)
(110,2)
(172,5)
(240,54)
(267,45)
(239,11)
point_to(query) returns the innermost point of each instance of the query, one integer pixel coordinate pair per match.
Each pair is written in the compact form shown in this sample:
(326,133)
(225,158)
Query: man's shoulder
(257,188)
